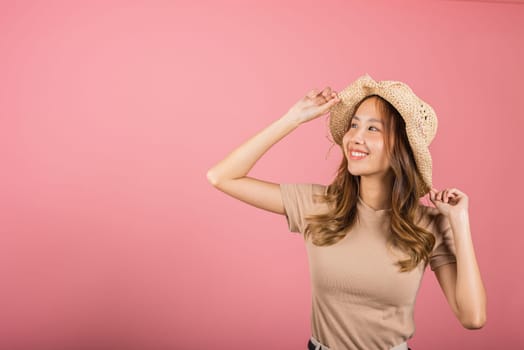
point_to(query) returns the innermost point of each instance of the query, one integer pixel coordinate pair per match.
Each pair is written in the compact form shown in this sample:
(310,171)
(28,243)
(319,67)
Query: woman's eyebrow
(370,119)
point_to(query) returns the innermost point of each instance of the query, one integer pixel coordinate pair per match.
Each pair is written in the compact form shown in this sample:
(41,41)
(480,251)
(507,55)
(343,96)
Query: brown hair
(342,195)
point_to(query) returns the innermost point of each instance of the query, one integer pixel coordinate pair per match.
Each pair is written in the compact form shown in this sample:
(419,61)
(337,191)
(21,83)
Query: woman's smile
(357,156)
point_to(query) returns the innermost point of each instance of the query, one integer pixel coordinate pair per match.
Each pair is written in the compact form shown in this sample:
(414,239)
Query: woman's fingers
(445,194)
(449,195)
(312,93)
(322,100)
(326,106)
(314,104)
(326,92)
(329,95)
(451,192)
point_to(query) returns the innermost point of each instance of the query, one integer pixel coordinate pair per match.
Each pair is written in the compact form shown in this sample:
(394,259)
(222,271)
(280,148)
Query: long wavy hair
(342,195)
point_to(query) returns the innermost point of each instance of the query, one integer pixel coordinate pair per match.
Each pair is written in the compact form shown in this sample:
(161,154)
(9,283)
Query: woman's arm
(470,292)
(462,283)
(240,161)
(230,174)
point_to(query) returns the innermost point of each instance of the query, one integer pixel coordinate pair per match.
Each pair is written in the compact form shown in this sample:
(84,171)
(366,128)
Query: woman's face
(366,133)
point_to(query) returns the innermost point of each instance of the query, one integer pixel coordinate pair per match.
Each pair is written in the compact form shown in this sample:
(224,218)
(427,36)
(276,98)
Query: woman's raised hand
(314,104)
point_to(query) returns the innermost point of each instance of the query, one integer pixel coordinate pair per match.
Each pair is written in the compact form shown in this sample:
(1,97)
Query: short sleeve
(298,202)
(444,250)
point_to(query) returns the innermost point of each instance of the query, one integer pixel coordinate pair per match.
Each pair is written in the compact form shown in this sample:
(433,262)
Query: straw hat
(420,118)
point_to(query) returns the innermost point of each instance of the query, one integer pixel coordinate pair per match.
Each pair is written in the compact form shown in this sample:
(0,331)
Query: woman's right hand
(314,104)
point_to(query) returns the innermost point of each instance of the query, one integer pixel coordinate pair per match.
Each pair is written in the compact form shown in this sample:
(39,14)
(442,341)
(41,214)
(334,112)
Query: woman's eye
(370,126)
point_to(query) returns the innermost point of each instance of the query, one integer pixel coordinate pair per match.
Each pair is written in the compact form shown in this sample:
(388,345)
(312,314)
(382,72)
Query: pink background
(113,111)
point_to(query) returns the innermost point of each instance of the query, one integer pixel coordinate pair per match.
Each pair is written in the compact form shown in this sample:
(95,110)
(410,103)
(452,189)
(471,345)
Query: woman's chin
(356,172)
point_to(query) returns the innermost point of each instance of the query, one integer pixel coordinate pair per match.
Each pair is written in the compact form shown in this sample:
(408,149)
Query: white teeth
(358,154)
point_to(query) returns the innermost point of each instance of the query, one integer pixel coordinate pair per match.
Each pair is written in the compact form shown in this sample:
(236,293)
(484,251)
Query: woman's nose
(356,137)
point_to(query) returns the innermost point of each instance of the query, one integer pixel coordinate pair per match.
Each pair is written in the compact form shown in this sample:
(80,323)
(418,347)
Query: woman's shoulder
(319,188)
(307,194)
(318,196)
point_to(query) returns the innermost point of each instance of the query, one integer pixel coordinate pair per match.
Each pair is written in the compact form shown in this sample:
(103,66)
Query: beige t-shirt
(359,298)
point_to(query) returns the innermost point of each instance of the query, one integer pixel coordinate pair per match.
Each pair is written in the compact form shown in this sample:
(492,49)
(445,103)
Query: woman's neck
(376,194)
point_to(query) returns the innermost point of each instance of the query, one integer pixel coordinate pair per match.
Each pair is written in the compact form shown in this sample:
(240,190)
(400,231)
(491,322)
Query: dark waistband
(312,346)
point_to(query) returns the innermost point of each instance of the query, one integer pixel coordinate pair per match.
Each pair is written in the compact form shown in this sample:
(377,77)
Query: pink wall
(112,112)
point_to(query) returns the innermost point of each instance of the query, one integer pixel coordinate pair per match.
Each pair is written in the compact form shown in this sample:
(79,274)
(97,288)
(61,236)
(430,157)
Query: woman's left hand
(450,201)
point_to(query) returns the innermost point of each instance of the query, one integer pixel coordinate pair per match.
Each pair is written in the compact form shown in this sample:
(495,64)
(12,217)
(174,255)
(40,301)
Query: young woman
(369,238)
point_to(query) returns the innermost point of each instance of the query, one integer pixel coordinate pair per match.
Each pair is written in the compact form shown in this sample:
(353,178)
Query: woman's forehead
(368,118)
(369,110)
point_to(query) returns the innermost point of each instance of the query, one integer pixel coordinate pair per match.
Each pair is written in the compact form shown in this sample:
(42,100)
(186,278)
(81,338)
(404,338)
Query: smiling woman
(368,237)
